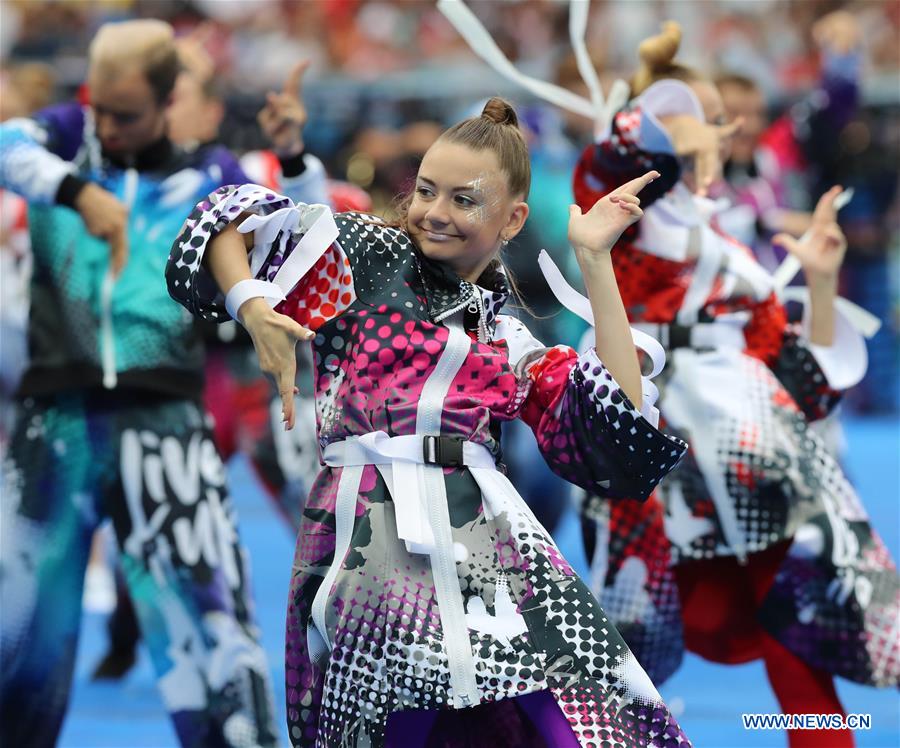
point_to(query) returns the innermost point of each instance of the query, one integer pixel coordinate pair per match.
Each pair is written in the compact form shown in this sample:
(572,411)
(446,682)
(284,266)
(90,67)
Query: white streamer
(478,38)
(598,109)
(604,110)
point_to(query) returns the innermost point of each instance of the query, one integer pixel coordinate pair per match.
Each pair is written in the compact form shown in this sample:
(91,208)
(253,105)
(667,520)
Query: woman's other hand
(275,339)
(284,115)
(822,248)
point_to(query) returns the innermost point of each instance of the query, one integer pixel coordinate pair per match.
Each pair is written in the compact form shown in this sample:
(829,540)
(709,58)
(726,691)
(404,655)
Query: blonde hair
(657,60)
(147,44)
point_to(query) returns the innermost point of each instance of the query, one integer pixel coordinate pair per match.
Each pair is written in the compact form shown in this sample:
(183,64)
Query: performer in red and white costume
(773,554)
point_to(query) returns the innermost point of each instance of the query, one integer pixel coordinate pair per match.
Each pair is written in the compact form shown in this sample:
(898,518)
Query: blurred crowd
(365,40)
(387,75)
(360,89)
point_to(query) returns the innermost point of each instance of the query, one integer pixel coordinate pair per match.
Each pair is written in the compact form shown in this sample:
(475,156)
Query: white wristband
(251,289)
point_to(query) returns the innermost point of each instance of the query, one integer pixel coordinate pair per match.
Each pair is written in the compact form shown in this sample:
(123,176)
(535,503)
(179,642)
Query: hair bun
(500,112)
(659,51)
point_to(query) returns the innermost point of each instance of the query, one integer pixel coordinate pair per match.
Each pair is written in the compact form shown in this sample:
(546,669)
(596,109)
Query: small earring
(504,242)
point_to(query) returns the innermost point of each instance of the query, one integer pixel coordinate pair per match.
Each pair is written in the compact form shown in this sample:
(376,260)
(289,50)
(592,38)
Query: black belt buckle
(446,451)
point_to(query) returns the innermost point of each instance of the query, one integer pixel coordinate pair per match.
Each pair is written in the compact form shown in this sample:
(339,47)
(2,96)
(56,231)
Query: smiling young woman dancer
(774,556)
(424,590)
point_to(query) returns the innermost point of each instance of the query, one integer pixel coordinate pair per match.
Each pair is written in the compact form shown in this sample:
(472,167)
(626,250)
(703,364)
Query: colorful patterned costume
(742,387)
(246,411)
(111,425)
(440,588)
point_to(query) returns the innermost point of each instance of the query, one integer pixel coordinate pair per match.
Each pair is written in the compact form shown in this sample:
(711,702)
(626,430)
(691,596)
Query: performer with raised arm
(773,553)
(110,423)
(427,603)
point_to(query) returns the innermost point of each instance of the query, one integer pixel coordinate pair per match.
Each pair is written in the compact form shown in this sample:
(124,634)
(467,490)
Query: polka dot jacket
(377,306)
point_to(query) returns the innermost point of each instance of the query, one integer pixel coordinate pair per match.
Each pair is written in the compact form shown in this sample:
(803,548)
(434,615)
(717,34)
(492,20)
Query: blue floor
(709,699)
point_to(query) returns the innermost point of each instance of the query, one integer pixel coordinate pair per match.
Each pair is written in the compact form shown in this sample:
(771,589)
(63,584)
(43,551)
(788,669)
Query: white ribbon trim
(319,232)
(344,519)
(250,289)
(581,306)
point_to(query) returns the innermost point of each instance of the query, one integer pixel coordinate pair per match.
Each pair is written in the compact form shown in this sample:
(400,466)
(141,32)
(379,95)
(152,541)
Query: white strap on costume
(344,517)
(402,453)
(703,279)
(250,289)
(429,416)
(727,331)
(581,306)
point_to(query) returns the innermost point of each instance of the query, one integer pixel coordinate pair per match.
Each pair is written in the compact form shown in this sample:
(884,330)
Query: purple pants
(511,722)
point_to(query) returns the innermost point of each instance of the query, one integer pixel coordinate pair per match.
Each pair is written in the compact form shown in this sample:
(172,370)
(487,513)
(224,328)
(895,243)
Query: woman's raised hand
(596,231)
(821,249)
(275,339)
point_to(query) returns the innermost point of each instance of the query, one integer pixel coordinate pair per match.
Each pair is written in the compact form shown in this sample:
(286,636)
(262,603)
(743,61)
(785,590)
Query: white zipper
(107,331)
(107,339)
(477,308)
(457,643)
(462,305)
